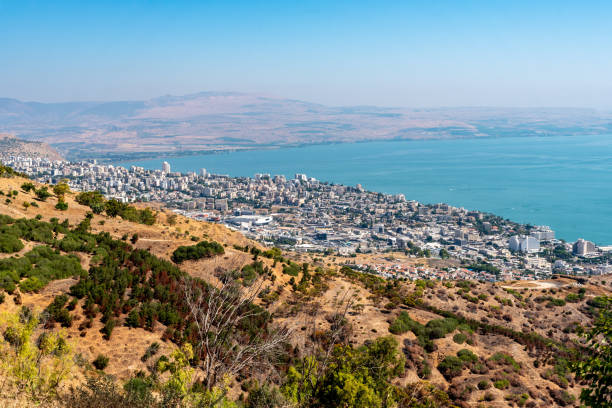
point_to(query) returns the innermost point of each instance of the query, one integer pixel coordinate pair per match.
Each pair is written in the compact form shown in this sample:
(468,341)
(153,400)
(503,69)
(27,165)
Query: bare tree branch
(221,316)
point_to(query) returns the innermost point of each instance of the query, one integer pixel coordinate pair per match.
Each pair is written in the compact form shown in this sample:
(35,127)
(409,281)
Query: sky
(388,53)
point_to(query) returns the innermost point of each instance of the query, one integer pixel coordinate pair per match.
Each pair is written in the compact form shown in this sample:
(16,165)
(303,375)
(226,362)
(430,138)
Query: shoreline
(119,158)
(527,216)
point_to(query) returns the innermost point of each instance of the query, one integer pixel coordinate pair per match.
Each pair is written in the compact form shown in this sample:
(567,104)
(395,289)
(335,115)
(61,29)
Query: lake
(564,182)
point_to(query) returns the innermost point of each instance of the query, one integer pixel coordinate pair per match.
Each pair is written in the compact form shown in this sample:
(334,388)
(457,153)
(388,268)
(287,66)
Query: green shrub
(151,351)
(459,338)
(424,370)
(291,269)
(58,313)
(42,193)
(403,323)
(501,384)
(10,243)
(39,266)
(506,359)
(107,330)
(467,356)
(28,186)
(203,249)
(450,367)
(572,298)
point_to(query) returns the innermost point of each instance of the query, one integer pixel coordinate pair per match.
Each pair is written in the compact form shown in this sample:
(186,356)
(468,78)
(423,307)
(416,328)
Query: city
(307,215)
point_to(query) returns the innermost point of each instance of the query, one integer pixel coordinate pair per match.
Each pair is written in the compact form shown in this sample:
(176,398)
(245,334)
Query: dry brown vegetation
(531,378)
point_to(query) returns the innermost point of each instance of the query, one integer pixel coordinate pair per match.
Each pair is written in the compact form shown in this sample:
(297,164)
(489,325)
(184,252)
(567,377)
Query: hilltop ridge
(12,146)
(218,121)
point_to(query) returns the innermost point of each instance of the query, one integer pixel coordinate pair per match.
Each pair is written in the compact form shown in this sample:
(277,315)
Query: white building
(165,167)
(543,233)
(524,243)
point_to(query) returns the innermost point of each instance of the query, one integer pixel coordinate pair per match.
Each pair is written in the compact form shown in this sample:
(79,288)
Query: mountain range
(214,121)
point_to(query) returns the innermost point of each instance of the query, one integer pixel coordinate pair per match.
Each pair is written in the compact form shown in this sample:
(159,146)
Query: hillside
(11,146)
(212,121)
(462,343)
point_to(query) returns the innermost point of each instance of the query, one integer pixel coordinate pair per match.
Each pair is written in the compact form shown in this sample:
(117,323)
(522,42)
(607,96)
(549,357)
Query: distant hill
(11,146)
(227,120)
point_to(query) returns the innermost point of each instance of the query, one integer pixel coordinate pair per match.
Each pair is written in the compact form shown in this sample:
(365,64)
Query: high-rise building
(203,172)
(165,167)
(524,243)
(583,247)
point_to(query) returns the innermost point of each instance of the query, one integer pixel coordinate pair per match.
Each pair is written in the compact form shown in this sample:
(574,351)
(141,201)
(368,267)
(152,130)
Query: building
(203,172)
(524,243)
(379,228)
(583,247)
(165,167)
(543,233)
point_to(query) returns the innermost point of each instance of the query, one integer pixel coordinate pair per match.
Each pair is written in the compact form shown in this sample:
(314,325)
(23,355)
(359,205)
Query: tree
(596,368)
(42,193)
(231,331)
(32,366)
(113,208)
(305,379)
(60,190)
(354,377)
(28,186)
(444,254)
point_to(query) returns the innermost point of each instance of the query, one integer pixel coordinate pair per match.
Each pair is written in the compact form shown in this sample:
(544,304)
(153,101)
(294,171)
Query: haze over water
(564,182)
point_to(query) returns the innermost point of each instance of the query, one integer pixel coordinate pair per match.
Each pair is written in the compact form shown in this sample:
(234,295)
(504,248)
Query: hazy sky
(403,53)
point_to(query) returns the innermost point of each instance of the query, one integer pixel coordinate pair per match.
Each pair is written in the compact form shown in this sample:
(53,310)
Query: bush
(265,397)
(10,243)
(39,266)
(501,384)
(100,362)
(36,366)
(402,324)
(204,249)
(28,186)
(450,367)
(291,269)
(42,193)
(572,298)
(62,206)
(467,356)
(483,385)
(58,313)
(150,352)
(424,370)
(506,359)
(459,338)
(96,201)
(107,330)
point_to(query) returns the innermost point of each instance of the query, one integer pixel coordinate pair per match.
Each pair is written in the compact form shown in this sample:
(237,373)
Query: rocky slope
(11,146)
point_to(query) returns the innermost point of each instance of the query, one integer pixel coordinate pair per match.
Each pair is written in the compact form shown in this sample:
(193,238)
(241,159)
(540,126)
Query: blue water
(564,182)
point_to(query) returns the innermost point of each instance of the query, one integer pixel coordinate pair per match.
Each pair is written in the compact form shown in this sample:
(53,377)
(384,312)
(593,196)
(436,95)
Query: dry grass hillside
(511,340)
